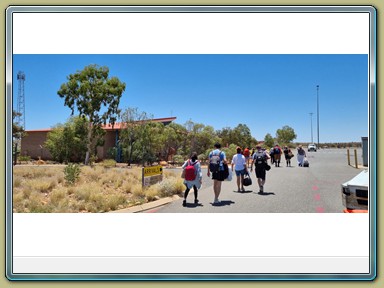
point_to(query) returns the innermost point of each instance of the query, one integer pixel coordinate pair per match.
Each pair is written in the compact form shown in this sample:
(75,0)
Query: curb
(147,206)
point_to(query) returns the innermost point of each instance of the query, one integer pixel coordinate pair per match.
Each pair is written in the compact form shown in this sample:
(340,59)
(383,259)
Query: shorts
(240,172)
(219,175)
(260,173)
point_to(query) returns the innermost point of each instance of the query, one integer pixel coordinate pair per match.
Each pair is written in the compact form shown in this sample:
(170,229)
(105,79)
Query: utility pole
(318,137)
(311,127)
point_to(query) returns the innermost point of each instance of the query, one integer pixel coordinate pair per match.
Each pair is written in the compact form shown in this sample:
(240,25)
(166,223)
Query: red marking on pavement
(152,210)
(319,209)
(317,197)
(315,187)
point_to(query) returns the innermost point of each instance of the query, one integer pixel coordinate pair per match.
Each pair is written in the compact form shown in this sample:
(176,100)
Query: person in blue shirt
(216,165)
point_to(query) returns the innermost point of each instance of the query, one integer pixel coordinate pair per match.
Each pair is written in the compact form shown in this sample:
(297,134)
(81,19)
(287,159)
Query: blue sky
(265,92)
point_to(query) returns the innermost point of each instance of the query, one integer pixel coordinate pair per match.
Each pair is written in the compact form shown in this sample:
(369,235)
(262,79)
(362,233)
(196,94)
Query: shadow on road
(223,203)
(265,193)
(242,192)
(193,205)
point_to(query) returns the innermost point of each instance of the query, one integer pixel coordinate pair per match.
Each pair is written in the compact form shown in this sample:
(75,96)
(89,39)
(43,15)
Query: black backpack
(259,159)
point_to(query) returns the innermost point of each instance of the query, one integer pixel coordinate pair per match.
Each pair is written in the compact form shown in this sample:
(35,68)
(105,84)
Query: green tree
(230,151)
(225,135)
(269,140)
(140,137)
(90,91)
(199,138)
(17,133)
(172,139)
(128,135)
(285,135)
(242,136)
(17,130)
(65,141)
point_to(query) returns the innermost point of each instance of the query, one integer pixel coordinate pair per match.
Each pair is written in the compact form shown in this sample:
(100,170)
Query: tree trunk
(89,148)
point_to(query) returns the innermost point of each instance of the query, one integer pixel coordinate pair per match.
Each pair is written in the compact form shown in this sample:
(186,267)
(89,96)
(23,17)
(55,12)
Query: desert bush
(138,191)
(152,192)
(92,174)
(24,158)
(71,173)
(178,159)
(108,163)
(57,195)
(42,189)
(17,182)
(42,185)
(170,186)
(114,202)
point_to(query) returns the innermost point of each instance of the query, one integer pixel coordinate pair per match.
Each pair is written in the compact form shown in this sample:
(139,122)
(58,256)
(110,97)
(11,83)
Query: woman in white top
(240,164)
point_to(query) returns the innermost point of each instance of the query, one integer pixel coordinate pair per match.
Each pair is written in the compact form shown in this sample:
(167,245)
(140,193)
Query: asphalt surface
(316,189)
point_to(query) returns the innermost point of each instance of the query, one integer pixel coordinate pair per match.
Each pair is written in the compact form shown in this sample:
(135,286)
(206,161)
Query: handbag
(182,174)
(267,167)
(247,180)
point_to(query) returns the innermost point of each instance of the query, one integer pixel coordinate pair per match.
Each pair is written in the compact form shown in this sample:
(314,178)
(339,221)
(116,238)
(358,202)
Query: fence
(355,157)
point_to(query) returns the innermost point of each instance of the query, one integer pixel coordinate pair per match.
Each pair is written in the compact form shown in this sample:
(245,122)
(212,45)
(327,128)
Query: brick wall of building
(32,145)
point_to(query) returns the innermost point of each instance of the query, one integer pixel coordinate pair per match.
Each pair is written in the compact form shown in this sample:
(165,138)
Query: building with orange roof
(33,144)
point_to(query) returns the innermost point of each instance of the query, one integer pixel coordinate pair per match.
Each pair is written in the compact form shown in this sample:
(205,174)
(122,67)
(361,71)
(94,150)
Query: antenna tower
(21,100)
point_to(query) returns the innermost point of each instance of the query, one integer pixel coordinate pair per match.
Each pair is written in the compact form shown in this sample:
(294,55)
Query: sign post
(152,175)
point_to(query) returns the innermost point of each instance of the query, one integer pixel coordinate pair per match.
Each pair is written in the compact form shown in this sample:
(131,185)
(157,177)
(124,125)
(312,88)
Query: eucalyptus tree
(95,96)
(285,135)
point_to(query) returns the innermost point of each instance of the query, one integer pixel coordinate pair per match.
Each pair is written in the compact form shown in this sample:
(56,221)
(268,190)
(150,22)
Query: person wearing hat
(260,158)
(240,164)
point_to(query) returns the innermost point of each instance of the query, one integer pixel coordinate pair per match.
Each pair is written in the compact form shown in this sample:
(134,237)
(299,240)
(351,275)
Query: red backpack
(190,173)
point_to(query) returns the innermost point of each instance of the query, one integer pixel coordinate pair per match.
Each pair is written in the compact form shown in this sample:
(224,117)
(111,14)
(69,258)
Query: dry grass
(42,189)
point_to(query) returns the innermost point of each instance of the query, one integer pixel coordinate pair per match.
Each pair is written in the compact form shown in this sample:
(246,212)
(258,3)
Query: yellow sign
(152,171)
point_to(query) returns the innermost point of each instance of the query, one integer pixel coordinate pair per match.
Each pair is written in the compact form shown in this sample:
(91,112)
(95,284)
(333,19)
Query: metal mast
(21,100)
(318,133)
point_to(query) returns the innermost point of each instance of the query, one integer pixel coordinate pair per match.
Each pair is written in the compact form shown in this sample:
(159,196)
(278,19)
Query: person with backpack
(277,155)
(288,155)
(260,159)
(271,156)
(217,161)
(241,168)
(192,177)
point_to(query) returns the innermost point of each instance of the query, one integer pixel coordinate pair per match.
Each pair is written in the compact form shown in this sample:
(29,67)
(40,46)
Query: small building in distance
(33,143)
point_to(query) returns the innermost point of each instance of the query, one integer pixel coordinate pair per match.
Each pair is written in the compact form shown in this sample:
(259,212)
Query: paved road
(288,189)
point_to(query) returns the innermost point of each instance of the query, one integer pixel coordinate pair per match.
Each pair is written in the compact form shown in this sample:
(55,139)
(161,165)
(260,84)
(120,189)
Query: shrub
(16,182)
(178,159)
(108,163)
(24,158)
(171,186)
(71,173)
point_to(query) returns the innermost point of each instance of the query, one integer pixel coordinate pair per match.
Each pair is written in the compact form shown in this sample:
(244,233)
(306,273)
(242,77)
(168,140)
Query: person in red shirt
(247,154)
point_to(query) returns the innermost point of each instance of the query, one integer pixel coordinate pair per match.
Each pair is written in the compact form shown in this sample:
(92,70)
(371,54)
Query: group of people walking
(218,168)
